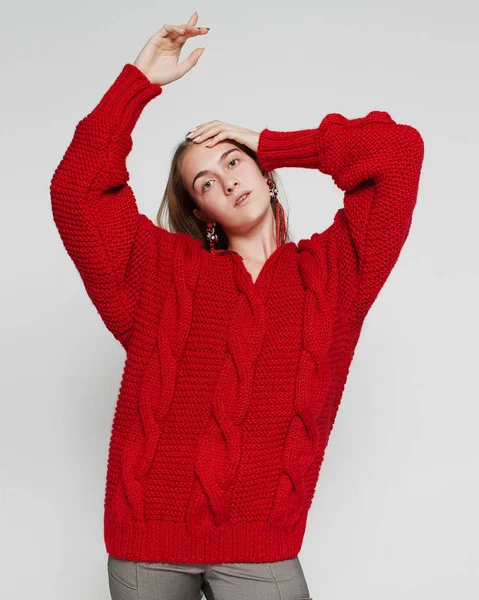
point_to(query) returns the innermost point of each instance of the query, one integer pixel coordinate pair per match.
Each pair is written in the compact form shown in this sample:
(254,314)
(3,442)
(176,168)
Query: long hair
(176,207)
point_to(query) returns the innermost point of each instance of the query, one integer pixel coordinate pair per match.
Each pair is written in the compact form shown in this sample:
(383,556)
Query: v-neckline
(264,269)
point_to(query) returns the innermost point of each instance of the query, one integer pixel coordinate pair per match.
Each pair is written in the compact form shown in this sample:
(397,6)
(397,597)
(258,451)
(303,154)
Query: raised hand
(158,59)
(215,131)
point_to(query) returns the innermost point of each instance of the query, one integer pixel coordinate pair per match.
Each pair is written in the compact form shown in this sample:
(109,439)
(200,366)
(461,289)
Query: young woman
(238,341)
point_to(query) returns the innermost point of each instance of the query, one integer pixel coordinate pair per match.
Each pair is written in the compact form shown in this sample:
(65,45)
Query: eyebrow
(204,172)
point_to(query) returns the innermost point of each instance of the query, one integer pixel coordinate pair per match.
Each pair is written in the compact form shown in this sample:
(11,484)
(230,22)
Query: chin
(254,213)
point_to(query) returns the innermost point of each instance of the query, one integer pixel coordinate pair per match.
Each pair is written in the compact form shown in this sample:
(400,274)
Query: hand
(218,130)
(158,59)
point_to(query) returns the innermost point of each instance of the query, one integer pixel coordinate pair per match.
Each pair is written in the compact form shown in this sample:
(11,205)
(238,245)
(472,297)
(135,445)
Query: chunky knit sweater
(230,386)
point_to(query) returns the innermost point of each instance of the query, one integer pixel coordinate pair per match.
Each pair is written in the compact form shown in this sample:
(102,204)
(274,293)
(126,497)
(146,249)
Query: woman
(238,340)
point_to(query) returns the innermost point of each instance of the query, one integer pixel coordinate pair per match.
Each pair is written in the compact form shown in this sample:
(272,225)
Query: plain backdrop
(395,511)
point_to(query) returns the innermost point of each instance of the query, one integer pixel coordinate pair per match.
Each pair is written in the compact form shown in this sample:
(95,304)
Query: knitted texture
(231,386)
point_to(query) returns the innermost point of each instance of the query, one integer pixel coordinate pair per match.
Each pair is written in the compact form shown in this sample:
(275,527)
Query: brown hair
(179,205)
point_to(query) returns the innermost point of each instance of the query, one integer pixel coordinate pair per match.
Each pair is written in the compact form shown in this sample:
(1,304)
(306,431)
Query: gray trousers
(282,580)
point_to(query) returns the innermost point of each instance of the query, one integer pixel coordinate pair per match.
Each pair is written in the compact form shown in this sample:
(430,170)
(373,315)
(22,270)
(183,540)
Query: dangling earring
(280,217)
(211,236)
(273,190)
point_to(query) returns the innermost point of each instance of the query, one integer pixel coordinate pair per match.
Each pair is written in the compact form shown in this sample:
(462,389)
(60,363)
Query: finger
(179,32)
(205,130)
(204,126)
(217,133)
(212,141)
(193,19)
(190,61)
(168,29)
(218,138)
(194,30)
(186,31)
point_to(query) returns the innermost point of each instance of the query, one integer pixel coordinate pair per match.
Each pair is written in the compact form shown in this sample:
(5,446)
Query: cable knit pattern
(312,381)
(158,384)
(219,452)
(231,387)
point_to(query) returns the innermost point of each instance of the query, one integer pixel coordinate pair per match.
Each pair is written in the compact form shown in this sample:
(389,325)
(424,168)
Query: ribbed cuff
(126,98)
(277,149)
(309,148)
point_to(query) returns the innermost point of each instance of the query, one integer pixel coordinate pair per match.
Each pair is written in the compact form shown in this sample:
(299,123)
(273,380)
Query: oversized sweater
(230,386)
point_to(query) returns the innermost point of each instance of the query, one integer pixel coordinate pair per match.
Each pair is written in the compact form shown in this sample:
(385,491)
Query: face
(214,181)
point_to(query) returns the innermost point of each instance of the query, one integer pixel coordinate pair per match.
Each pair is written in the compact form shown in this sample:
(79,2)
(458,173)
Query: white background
(393,515)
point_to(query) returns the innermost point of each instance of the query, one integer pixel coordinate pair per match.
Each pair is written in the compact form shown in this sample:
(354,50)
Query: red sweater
(230,387)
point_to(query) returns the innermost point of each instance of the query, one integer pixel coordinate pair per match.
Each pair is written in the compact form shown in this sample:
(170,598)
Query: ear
(200,215)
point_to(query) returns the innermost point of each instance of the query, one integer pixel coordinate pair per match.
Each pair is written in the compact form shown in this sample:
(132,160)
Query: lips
(246,194)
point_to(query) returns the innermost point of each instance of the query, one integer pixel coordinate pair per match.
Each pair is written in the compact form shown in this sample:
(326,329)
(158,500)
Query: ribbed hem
(127,97)
(278,149)
(157,541)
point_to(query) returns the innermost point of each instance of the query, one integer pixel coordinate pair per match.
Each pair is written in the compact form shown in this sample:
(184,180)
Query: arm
(376,163)
(95,210)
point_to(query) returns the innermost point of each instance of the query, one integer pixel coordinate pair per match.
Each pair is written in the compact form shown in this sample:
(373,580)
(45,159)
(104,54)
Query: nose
(231,187)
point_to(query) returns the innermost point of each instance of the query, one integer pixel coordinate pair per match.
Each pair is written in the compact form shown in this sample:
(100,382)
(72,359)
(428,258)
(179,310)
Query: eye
(204,186)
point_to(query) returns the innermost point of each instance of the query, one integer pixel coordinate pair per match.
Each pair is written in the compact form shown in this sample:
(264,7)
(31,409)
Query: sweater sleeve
(376,162)
(94,208)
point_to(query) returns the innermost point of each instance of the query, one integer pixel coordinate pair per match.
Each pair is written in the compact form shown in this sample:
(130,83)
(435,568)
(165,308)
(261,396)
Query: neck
(259,243)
